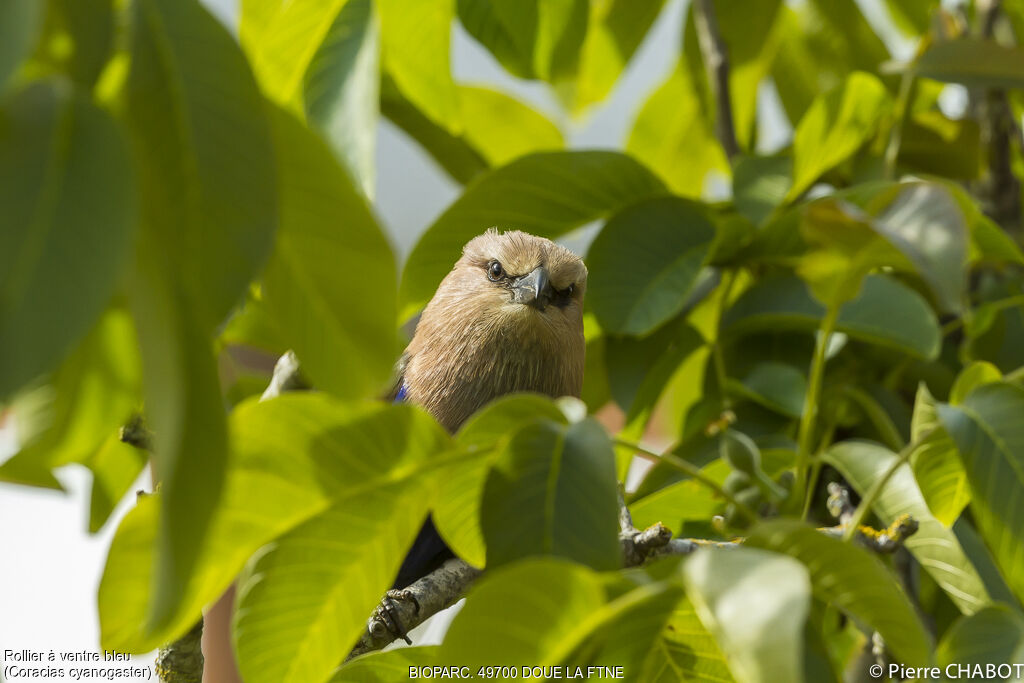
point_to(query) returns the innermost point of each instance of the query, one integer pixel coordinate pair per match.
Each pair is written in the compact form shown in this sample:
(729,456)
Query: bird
(507,318)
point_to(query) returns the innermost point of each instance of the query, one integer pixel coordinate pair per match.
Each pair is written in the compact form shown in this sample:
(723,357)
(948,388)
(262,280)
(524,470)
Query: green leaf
(639,370)
(673,136)
(303,601)
(546,194)
(455,155)
(415,43)
(910,16)
(531,39)
(497,129)
(972,61)
(342,89)
(456,513)
(94,392)
(683,501)
(20,22)
(886,313)
(78,38)
(978,373)
(549,612)
(293,458)
(321,59)
(185,411)
(994,635)
(614,32)
(558,483)
(760,184)
(926,225)
(936,465)
(115,467)
(67,189)
(502,128)
(939,549)
(989,435)
(685,650)
(387,666)
(755,603)
(645,263)
(835,567)
(208,179)
(835,127)
(209,214)
(776,386)
(328,240)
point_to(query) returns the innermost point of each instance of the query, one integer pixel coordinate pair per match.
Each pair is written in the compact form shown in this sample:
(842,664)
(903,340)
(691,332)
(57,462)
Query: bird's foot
(387,617)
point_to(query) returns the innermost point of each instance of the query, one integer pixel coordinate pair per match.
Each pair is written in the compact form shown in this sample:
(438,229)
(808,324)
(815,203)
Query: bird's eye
(494,271)
(570,289)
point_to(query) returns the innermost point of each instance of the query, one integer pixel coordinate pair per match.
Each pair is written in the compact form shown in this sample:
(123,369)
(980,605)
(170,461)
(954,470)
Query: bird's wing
(397,392)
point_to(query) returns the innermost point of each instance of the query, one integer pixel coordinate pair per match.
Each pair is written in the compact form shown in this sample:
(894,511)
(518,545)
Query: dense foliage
(849,308)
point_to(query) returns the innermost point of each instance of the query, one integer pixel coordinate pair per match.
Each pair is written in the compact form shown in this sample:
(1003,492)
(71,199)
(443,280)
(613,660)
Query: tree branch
(999,192)
(716,62)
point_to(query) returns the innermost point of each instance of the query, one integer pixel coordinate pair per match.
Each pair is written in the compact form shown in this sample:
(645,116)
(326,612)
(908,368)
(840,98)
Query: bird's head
(514,269)
(516,278)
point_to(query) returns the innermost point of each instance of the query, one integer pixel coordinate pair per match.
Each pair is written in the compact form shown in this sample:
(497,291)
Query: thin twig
(716,62)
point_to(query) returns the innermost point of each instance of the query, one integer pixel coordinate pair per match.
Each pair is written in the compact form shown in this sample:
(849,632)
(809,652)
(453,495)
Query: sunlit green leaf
(115,467)
(645,262)
(209,213)
(685,651)
(327,241)
(456,513)
(551,491)
(321,59)
(834,567)
(415,44)
(755,603)
(989,434)
(303,602)
(615,30)
(531,39)
(66,229)
(940,551)
(546,194)
(293,458)
(673,136)
(936,465)
(837,125)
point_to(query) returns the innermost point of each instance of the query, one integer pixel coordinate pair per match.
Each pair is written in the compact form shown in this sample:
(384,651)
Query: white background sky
(50,567)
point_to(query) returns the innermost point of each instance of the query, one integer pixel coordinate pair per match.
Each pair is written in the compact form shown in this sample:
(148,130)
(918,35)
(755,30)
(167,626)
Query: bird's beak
(533,289)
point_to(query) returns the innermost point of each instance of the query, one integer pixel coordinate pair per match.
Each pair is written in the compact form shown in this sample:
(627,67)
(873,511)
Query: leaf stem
(816,469)
(810,413)
(689,469)
(892,151)
(717,357)
(876,489)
